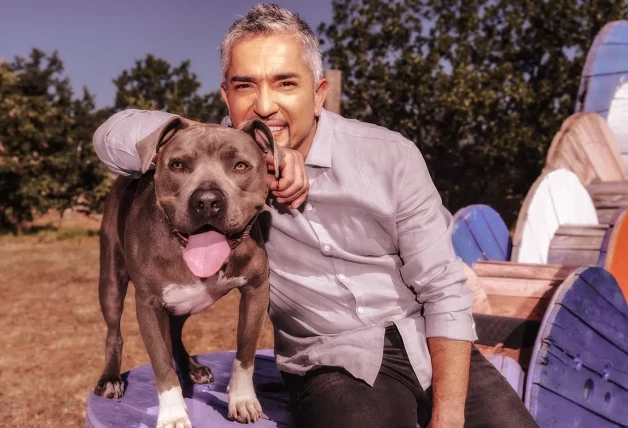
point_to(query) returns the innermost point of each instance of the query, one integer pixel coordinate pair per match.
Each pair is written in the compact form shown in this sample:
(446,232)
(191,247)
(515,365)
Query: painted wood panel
(556,198)
(586,146)
(479,233)
(605,67)
(578,374)
(207,404)
(618,117)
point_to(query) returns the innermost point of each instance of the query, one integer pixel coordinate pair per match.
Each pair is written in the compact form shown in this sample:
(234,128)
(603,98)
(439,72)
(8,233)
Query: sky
(97,39)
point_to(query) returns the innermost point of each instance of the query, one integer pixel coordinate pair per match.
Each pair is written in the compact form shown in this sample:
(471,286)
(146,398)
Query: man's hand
(293,185)
(450,379)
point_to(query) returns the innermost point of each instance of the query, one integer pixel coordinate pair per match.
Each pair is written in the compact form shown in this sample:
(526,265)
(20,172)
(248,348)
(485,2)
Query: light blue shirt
(371,247)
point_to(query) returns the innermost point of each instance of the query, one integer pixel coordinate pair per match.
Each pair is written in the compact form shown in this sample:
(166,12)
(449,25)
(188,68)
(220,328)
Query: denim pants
(330,397)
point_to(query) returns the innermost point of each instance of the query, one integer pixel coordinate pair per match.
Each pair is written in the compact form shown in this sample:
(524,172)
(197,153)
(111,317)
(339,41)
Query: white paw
(243,404)
(173,412)
(244,409)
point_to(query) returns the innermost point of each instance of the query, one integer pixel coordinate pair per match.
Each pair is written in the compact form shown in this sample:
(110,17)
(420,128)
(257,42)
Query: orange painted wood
(615,259)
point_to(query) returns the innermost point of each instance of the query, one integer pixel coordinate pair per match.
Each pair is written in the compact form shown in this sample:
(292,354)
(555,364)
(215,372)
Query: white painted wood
(557,198)
(618,118)
(511,370)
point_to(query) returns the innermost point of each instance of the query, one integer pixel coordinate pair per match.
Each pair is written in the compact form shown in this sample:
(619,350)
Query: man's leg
(491,401)
(331,398)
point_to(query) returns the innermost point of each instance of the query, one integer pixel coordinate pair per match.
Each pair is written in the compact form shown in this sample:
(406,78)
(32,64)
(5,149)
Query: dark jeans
(330,397)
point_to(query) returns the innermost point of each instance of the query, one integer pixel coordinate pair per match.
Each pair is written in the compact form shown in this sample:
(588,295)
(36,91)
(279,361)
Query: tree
(153,84)
(480,86)
(44,141)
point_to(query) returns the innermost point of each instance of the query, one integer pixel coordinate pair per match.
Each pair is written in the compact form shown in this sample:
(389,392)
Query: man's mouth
(276,128)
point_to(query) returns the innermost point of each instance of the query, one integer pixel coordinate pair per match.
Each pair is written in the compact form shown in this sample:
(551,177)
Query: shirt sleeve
(114,141)
(430,266)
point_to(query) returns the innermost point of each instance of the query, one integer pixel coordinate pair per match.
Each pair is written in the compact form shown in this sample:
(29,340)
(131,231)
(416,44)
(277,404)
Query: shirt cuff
(451,325)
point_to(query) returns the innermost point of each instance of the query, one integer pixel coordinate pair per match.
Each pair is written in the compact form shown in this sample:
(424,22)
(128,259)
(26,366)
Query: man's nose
(265,105)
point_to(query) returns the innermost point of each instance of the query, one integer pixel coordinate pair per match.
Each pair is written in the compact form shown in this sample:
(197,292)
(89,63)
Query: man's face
(269,79)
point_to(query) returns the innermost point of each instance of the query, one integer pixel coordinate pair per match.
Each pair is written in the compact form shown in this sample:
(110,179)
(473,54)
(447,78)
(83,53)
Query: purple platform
(207,404)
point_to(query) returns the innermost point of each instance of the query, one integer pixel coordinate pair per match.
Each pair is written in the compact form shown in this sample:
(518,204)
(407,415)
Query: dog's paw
(200,374)
(110,387)
(244,409)
(179,422)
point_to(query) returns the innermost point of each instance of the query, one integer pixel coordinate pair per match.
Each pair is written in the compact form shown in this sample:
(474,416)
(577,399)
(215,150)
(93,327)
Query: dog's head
(209,177)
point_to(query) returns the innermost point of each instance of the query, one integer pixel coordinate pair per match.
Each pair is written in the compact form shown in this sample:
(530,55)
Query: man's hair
(267,19)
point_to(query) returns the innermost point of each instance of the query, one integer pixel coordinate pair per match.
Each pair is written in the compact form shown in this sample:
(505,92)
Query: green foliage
(46,158)
(480,86)
(153,84)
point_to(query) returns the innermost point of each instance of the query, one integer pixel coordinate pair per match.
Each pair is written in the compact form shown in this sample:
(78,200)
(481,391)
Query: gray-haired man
(372,319)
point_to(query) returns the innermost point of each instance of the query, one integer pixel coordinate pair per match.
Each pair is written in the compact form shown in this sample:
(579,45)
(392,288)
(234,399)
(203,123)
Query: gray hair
(273,19)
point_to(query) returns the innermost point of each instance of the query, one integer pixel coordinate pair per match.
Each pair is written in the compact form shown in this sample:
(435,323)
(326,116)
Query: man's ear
(149,146)
(264,138)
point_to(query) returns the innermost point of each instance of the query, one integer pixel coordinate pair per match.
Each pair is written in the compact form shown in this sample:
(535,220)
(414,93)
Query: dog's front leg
(154,325)
(243,403)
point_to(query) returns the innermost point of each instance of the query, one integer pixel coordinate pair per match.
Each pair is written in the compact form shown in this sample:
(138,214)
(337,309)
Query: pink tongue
(206,253)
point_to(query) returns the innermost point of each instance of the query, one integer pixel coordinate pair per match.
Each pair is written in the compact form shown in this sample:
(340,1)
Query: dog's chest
(194,298)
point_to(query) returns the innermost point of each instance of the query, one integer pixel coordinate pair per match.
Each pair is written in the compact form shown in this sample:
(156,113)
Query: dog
(185,233)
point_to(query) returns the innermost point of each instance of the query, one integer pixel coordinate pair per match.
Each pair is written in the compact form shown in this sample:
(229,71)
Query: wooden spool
(578,373)
(518,295)
(603,245)
(603,87)
(608,197)
(586,146)
(556,198)
(207,404)
(479,233)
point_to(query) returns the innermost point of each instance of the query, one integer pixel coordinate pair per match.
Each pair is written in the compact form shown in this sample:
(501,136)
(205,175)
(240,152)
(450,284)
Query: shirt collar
(320,151)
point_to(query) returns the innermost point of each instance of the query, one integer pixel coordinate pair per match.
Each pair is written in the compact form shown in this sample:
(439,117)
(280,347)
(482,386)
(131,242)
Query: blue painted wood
(605,68)
(578,372)
(479,233)
(207,404)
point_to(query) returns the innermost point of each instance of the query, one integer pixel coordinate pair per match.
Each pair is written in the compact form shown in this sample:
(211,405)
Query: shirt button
(341,277)
(326,248)
(360,309)
(308,207)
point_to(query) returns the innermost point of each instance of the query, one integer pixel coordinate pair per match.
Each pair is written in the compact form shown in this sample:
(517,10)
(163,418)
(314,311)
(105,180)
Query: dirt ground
(52,332)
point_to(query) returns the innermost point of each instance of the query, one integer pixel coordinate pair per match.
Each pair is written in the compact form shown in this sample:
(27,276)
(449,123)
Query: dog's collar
(232,242)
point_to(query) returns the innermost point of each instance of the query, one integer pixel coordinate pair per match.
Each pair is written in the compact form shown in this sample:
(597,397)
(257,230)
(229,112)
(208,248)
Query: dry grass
(52,332)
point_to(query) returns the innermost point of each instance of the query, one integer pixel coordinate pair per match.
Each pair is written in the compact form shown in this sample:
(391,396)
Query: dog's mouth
(207,250)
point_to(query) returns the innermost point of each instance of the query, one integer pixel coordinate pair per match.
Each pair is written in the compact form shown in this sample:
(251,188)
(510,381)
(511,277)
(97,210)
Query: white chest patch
(194,298)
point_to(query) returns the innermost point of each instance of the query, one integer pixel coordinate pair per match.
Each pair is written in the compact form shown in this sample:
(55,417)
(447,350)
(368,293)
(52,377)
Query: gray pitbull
(185,234)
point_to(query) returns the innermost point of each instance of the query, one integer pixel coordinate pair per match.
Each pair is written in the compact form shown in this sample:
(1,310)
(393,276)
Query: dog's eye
(240,166)
(176,165)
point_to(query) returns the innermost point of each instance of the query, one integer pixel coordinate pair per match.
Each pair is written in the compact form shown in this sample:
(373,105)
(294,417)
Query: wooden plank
(610,200)
(522,270)
(332,102)
(505,331)
(586,329)
(574,257)
(480,300)
(479,233)
(558,412)
(521,356)
(516,287)
(608,188)
(605,215)
(573,242)
(511,370)
(518,307)
(556,198)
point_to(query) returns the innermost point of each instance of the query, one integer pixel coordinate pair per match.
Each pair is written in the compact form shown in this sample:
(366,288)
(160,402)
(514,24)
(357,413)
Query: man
(372,319)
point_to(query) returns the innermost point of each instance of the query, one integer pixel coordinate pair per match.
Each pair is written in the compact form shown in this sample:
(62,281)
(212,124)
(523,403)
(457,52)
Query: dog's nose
(207,203)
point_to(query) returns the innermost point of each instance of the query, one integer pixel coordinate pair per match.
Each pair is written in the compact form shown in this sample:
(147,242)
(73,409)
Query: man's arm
(114,142)
(432,270)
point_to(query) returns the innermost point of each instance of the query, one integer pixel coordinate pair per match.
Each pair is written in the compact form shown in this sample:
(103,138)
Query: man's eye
(241,86)
(240,166)
(176,165)
(287,84)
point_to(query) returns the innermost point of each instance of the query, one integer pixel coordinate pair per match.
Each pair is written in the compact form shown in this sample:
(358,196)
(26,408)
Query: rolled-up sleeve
(114,141)
(430,266)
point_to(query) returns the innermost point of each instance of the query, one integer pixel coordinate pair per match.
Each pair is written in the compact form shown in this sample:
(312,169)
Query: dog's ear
(264,138)
(149,147)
